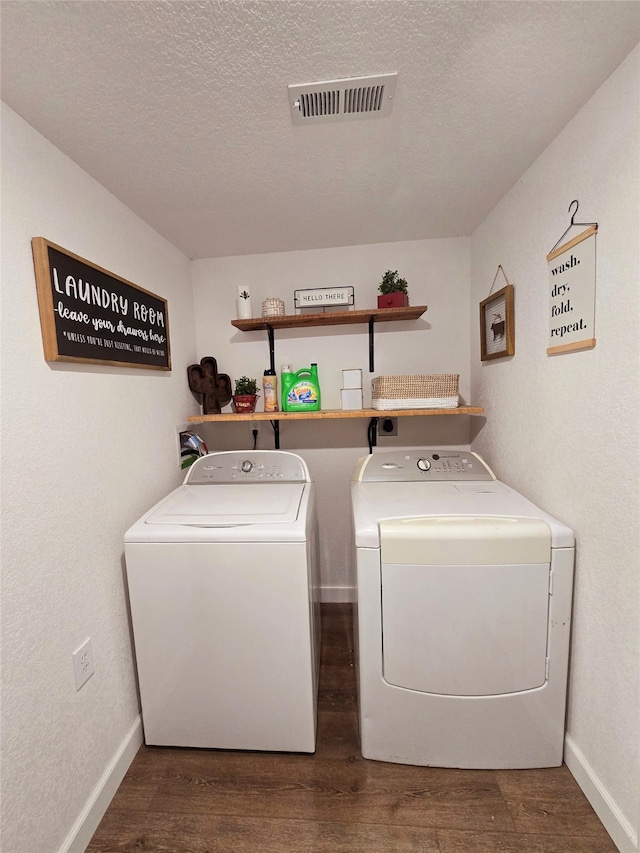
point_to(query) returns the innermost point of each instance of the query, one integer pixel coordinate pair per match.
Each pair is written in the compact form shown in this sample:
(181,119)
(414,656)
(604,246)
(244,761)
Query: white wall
(438,275)
(85,450)
(564,429)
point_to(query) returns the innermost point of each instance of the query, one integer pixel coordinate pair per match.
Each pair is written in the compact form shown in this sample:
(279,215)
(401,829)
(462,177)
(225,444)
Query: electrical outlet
(83,663)
(254,426)
(387,426)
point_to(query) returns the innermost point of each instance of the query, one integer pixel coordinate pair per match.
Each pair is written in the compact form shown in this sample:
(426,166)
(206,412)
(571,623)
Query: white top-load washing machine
(224,589)
(463,614)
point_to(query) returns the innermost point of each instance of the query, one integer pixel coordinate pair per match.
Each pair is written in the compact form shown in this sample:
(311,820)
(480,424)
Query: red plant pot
(244,404)
(393,300)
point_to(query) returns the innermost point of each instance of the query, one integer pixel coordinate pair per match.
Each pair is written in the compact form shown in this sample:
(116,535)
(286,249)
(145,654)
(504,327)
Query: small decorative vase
(244,404)
(243,303)
(393,300)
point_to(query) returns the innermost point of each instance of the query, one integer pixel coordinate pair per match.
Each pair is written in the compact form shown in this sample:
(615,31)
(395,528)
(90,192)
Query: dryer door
(465,604)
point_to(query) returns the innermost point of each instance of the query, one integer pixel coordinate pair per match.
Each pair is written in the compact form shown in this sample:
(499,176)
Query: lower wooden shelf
(335,414)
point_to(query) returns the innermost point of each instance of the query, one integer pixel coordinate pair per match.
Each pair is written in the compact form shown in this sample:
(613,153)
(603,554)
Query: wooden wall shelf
(335,413)
(331,318)
(373,415)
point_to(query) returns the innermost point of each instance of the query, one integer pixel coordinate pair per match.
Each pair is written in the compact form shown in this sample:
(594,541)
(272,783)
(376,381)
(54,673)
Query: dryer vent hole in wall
(387,427)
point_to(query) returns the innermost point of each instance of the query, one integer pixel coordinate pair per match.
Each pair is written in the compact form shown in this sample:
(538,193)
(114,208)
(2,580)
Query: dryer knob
(424,464)
(247,466)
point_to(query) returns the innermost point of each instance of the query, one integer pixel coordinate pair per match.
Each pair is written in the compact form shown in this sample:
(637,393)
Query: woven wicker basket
(419,391)
(273,307)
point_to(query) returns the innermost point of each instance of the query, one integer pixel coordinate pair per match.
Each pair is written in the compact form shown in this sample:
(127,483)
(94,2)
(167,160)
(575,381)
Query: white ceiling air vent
(339,100)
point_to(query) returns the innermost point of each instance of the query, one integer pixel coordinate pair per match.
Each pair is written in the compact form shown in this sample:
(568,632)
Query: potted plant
(393,290)
(245,396)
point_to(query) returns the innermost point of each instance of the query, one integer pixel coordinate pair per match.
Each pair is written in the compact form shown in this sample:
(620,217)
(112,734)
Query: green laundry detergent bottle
(301,390)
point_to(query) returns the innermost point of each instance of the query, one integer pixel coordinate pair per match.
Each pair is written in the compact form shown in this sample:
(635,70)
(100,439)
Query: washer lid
(230,505)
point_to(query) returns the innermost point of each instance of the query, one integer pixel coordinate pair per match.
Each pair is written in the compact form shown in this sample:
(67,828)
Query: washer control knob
(247,466)
(424,464)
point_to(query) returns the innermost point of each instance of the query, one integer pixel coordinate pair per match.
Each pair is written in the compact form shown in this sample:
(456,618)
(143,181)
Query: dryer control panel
(424,464)
(248,466)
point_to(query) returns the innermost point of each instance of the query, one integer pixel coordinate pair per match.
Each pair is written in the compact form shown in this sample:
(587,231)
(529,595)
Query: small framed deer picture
(497,332)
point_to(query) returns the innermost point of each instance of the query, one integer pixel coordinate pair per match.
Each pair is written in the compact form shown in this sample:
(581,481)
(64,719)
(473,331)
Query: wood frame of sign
(89,315)
(497,326)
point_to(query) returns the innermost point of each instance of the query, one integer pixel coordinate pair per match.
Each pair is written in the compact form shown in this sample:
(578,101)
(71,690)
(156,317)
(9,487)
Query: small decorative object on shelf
(245,396)
(324,297)
(214,387)
(273,307)
(393,290)
(243,303)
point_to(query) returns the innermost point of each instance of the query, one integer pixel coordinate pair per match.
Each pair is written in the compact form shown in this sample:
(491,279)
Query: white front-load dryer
(462,617)
(224,590)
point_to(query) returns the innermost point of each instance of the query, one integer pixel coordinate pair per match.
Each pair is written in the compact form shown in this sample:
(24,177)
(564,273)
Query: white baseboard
(337,594)
(83,829)
(624,836)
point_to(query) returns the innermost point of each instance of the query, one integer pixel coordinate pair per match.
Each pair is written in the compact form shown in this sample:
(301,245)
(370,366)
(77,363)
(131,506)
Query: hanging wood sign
(497,326)
(572,291)
(90,315)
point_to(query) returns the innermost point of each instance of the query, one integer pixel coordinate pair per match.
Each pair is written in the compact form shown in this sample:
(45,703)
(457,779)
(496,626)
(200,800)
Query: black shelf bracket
(272,349)
(371,368)
(276,434)
(372,433)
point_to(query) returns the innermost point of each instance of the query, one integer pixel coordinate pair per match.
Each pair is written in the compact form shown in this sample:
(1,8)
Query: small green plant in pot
(245,396)
(393,290)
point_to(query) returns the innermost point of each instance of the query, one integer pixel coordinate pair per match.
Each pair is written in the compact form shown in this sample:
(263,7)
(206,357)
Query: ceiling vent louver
(341,100)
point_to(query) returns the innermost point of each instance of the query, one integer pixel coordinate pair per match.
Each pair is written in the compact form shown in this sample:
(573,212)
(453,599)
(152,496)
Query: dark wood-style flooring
(213,801)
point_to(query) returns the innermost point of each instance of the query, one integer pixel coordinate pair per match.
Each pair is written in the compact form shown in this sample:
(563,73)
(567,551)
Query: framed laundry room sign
(90,315)
(572,293)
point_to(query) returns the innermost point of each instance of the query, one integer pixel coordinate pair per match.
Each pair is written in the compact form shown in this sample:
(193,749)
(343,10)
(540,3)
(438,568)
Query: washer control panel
(246,466)
(423,464)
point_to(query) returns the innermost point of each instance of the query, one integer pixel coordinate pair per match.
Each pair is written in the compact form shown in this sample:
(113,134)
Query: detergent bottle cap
(286,368)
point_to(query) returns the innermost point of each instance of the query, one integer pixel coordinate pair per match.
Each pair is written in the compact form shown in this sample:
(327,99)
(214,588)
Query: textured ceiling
(180,109)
